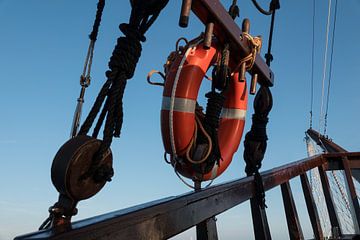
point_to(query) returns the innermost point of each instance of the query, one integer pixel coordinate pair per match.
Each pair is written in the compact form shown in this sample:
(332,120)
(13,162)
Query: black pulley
(71,165)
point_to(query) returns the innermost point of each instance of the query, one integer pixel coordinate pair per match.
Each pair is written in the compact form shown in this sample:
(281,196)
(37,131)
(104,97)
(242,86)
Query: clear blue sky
(42,49)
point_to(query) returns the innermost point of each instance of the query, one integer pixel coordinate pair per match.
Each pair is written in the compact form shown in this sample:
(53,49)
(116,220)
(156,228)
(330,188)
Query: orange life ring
(178,120)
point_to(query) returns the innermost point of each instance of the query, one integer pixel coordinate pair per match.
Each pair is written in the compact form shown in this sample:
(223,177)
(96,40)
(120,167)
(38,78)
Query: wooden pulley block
(71,165)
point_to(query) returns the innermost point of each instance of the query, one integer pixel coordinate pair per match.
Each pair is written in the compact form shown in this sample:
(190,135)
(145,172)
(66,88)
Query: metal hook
(148,78)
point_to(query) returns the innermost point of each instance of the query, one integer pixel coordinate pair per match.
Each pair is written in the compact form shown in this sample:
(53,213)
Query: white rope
(172,97)
(321,119)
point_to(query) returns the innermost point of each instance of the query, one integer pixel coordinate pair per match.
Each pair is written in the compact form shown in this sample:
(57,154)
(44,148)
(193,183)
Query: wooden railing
(168,217)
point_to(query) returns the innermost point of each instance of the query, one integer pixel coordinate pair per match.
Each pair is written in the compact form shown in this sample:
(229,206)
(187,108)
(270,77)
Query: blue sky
(42,49)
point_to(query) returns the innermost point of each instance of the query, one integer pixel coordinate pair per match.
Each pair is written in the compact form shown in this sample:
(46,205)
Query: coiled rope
(122,65)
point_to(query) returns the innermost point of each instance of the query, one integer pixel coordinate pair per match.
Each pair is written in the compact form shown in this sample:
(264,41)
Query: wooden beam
(167,217)
(352,194)
(227,31)
(207,230)
(260,222)
(292,218)
(324,142)
(329,201)
(311,207)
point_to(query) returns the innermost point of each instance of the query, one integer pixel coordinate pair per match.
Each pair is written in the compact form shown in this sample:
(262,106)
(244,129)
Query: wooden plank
(206,230)
(311,207)
(168,217)
(292,218)
(227,31)
(324,142)
(260,223)
(352,190)
(328,199)
(335,160)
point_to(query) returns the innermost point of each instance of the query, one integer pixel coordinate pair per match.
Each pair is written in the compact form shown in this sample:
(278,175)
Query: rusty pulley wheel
(72,162)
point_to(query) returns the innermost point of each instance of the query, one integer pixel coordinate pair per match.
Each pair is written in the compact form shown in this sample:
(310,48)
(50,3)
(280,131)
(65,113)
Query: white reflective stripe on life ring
(233,113)
(180,104)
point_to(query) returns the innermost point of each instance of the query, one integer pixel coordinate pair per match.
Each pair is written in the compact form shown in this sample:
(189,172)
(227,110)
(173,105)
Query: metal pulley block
(73,163)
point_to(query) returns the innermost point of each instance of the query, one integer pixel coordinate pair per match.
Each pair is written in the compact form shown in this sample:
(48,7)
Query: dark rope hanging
(274,5)
(260,9)
(95,30)
(256,139)
(85,77)
(122,65)
(65,208)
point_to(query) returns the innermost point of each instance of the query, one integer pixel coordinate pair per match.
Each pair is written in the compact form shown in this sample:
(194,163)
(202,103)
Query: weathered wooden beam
(260,222)
(227,31)
(311,207)
(324,142)
(352,194)
(292,218)
(329,201)
(167,217)
(207,230)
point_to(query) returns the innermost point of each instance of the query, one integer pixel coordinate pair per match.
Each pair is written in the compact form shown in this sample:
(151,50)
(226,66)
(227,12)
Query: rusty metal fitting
(185,13)
(85,81)
(254,80)
(209,30)
(245,29)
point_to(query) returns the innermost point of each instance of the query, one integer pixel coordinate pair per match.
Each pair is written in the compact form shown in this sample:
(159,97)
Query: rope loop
(255,46)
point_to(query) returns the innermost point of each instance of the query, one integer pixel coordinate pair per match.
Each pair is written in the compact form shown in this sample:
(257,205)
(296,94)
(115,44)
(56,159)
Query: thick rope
(122,66)
(256,141)
(255,46)
(85,78)
(95,30)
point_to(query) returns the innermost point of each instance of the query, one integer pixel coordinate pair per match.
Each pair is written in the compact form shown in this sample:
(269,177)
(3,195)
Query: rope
(274,5)
(325,65)
(85,78)
(186,183)
(312,65)
(192,144)
(341,189)
(172,97)
(59,210)
(256,44)
(122,66)
(330,67)
(260,9)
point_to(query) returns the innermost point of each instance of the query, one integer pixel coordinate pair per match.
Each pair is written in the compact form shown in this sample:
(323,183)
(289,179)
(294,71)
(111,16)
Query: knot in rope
(126,53)
(122,64)
(255,48)
(256,141)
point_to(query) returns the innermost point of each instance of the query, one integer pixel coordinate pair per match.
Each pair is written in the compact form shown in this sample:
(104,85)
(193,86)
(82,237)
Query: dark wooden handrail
(170,216)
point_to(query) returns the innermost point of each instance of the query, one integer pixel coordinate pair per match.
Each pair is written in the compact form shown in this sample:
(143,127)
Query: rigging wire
(330,67)
(325,66)
(312,64)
